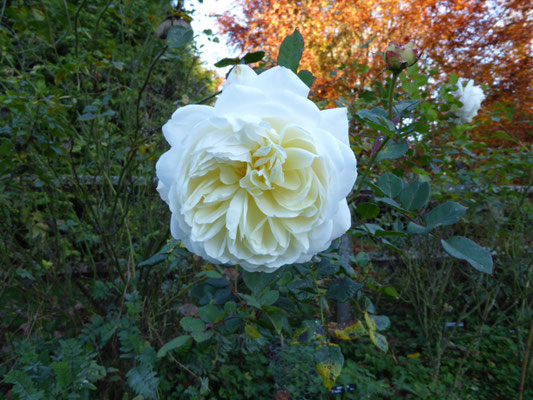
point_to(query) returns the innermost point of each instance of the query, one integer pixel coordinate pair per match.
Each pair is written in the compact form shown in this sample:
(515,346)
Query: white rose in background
(261,178)
(471,96)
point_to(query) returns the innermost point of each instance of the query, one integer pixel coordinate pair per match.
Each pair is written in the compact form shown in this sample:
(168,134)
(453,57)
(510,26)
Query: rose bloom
(261,178)
(471,96)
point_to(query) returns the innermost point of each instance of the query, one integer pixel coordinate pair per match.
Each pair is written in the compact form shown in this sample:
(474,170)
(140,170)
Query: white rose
(471,96)
(261,178)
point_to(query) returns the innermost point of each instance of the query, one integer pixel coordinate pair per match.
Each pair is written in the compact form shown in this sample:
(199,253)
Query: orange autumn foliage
(489,41)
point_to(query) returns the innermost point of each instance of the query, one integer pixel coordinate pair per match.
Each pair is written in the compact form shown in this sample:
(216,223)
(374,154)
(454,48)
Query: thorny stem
(147,79)
(525,363)
(394,78)
(208,97)
(373,157)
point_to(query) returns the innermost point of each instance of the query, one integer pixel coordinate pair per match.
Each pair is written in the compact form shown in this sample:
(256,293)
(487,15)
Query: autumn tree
(489,41)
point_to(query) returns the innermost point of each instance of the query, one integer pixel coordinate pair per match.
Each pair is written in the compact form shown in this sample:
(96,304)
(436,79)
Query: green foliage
(93,287)
(415,195)
(71,372)
(393,150)
(248,58)
(465,249)
(343,290)
(291,50)
(175,343)
(143,381)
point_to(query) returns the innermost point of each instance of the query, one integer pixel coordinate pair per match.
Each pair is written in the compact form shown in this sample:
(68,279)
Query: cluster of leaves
(71,371)
(79,112)
(85,85)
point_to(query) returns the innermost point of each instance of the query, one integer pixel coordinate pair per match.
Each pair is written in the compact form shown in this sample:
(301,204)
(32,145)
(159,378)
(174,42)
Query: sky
(204,19)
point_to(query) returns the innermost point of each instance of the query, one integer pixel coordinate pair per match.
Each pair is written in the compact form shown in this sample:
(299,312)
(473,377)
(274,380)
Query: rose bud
(399,56)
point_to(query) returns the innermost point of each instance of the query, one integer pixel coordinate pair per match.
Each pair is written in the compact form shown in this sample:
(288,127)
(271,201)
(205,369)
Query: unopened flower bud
(400,56)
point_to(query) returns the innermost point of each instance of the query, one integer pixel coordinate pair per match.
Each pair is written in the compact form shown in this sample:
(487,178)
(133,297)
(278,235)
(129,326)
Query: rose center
(265,168)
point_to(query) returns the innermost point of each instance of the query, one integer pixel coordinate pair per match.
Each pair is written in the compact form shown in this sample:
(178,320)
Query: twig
(525,364)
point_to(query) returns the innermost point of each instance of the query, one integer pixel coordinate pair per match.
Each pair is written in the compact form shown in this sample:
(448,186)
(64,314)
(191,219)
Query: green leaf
(362,259)
(306,77)
(86,117)
(291,51)
(367,210)
(454,78)
(200,337)
(465,249)
(414,229)
(277,318)
(326,267)
(226,62)
(179,36)
(369,306)
(390,233)
(251,301)
(390,202)
(365,44)
(393,150)
(269,298)
(378,119)
(372,228)
(173,344)
(191,324)
(445,214)
(210,273)
(303,290)
(408,86)
(230,307)
(404,105)
(257,281)
(376,188)
(390,184)
(379,340)
(387,290)
(382,322)
(343,290)
(210,313)
(143,381)
(418,127)
(415,195)
(64,374)
(154,260)
(253,57)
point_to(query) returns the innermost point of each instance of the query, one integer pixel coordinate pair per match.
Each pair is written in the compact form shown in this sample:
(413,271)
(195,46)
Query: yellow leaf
(329,371)
(60,75)
(251,331)
(329,362)
(309,332)
(351,332)
(370,323)
(413,355)
(38,14)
